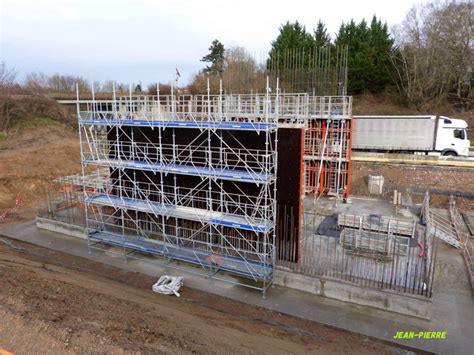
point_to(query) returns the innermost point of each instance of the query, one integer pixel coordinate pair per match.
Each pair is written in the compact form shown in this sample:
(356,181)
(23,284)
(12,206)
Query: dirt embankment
(386,104)
(59,304)
(445,179)
(32,157)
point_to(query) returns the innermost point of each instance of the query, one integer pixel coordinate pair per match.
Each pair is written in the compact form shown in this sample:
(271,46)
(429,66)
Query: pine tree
(321,37)
(291,36)
(215,57)
(382,44)
(369,55)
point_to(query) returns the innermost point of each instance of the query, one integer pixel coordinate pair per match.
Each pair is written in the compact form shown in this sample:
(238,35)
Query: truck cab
(452,137)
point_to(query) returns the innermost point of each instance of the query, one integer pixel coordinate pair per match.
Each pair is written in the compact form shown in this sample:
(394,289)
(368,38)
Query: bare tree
(7,78)
(107,86)
(165,89)
(67,83)
(37,82)
(435,51)
(240,70)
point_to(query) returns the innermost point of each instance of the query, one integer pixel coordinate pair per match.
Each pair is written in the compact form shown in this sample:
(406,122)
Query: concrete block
(61,227)
(388,300)
(298,282)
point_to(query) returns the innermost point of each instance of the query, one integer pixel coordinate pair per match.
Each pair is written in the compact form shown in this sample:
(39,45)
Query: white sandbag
(168,285)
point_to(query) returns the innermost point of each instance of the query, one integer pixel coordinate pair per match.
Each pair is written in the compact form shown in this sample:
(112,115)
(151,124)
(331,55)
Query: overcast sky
(144,40)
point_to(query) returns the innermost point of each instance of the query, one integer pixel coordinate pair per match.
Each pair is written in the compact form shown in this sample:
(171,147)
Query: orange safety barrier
(18,204)
(214,259)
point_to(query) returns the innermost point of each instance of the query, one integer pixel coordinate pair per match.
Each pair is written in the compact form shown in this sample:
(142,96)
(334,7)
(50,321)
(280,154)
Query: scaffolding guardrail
(204,110)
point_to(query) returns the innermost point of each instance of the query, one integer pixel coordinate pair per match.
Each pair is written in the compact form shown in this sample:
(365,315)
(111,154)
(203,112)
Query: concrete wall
(364,296)
(61,227)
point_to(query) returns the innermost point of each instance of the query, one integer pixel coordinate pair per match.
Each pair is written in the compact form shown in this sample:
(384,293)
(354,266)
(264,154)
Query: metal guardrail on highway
(465,162)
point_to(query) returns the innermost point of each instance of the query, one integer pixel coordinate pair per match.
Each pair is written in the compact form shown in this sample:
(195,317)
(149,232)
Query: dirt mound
(381,104)
(31,158)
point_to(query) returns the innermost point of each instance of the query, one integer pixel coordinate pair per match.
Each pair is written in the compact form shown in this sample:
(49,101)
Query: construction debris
(168,285)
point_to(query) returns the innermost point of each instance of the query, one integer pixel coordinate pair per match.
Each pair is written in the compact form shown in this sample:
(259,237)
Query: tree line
(41,83)
(429,56)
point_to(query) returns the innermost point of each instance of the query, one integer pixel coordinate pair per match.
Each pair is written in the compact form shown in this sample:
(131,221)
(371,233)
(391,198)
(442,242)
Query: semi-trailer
(411,134)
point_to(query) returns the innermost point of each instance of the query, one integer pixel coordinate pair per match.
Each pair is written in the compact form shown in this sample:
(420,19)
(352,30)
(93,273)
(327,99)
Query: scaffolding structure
(319,76)
(193,177)
(210,202)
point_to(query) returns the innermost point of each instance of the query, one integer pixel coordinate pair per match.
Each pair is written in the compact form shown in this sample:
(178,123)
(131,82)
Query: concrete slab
(453,303)
(356,205)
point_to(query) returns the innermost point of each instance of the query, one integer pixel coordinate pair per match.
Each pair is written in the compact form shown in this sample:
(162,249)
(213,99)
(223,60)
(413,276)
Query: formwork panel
(289,185)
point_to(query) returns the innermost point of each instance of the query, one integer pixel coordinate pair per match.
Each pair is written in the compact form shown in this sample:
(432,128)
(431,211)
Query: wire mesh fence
(365,257)
(64,205)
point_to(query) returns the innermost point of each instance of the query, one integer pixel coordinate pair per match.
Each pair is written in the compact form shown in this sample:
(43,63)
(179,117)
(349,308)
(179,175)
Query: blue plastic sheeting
(182,124)
(194,214)
(224,174)
(246,267)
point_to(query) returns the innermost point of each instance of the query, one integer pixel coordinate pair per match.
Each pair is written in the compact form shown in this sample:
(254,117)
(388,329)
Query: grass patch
(3,136)
(37,122)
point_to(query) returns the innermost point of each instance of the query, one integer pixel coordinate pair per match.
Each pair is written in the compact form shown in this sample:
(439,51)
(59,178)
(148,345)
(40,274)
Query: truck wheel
(449,153)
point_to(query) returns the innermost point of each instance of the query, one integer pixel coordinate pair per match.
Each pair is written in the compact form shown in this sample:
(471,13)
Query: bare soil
(56,303)
(449,179)
(31,158)
(383,104)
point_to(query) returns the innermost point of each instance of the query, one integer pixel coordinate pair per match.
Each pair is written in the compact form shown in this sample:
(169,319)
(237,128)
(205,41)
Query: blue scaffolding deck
(227,125)
(189,213)
(250,268)
(223,174)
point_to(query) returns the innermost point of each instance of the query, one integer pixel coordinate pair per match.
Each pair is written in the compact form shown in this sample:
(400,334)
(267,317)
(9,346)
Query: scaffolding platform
(189,213)
(253,269)
(223,174)
(224,125)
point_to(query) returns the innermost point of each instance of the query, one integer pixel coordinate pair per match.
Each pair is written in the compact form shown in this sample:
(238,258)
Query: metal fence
(63,205)
(368,258)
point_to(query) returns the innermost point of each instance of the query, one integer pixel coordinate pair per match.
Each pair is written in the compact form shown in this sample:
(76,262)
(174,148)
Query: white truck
(412,134)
